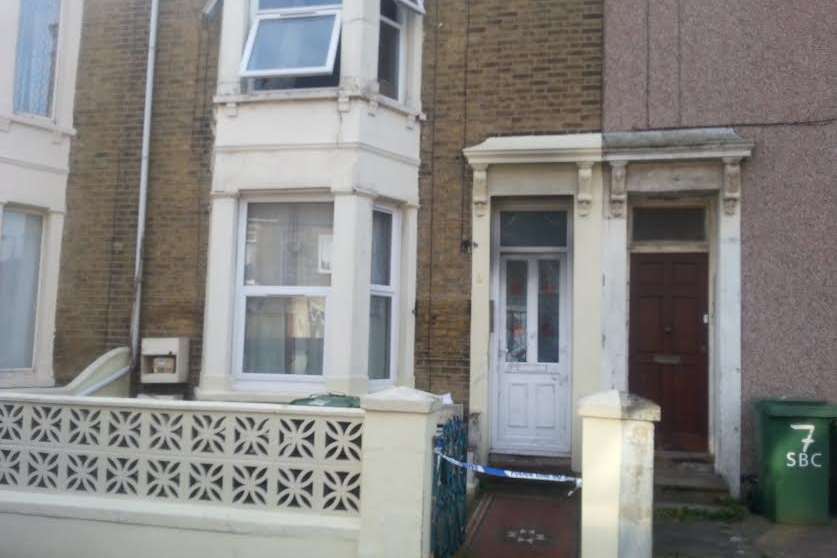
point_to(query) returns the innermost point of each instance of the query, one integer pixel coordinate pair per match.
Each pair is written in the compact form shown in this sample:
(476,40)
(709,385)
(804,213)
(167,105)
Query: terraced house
(224,206)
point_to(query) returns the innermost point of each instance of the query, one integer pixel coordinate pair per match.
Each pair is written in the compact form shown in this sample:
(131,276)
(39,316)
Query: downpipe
(143,186)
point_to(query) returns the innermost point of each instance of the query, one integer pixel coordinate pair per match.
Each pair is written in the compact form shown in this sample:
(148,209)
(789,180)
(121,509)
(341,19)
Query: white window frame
(242,292)
(391,291)
(401,26)
(29,373)
(286,13)
(415,5)
(52,113)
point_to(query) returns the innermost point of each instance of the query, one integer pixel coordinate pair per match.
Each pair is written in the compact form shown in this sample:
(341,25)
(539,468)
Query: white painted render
(347,145)
(34,164)
(617,511)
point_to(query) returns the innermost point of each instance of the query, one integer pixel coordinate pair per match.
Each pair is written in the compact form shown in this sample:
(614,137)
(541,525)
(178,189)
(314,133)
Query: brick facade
(491,68)
(96,282)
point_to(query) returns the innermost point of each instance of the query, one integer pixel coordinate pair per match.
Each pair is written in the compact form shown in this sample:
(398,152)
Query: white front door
(532,387)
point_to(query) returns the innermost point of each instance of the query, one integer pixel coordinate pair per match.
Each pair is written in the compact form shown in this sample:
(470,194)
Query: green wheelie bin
(795,460)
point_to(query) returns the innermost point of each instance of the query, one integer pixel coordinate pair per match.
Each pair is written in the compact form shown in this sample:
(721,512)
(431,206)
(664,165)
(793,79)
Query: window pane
(548,316)
(389,8)
(284,335)
(388,60)
(292,43)
(516,278)
(381,247)
(289,244)
(675,223)
(380,317)
(36,52)
(533,228)
(281,4)
(302,82)
(20,258)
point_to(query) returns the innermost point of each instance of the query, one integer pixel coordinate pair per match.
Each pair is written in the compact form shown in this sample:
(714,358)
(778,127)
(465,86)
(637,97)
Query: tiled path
(525,521)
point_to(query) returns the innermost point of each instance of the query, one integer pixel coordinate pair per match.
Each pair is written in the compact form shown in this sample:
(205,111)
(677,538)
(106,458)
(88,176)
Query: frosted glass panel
(533,228)
(380,317)
(37,49)
(284,335)
(516,311)
(292,43)
(381,247)
(289,244)
(20,256)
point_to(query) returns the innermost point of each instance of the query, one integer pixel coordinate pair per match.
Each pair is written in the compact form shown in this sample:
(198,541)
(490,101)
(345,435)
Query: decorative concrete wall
(80,475)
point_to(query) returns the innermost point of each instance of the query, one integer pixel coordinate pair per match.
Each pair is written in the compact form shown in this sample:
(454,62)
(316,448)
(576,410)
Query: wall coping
(401,400)
(620,405)
(566,148)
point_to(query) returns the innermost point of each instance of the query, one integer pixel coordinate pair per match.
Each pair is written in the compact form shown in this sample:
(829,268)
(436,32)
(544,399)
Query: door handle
(667,360)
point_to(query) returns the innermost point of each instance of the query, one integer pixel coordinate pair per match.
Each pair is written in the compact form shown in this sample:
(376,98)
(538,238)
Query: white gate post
(397,480)
(617,501)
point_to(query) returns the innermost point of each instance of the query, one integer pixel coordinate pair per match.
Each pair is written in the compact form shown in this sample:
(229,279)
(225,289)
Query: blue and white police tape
(507,474)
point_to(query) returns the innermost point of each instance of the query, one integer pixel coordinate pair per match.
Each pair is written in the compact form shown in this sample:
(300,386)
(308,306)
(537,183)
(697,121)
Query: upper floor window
(295,44)
(293,38)
(37,52)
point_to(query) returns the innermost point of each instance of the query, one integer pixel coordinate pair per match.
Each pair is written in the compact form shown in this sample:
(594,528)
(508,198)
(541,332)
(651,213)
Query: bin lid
(797,408)
(329,400)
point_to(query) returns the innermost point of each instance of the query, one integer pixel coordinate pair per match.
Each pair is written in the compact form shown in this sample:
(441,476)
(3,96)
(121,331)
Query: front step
(688,481)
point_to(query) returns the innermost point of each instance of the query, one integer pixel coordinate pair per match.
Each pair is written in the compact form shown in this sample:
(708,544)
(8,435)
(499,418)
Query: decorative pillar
(586,255)
(617,499)
(220,293)
(235,25)
(615,284)
(407,332)
(728,328)
(584,195)
(347,311)
(359,50)
(54,233)
(481,314)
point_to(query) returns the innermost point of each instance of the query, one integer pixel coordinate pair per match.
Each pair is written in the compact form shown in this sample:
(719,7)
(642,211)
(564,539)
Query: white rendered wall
(34,159)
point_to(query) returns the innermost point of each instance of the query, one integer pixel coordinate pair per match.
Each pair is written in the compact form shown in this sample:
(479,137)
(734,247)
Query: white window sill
(34,121)
(315,94)
(24,378)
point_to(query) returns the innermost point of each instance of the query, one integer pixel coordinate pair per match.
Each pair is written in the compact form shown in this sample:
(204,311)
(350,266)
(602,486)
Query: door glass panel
(669,224)
(533,228)
(516,278)
(548,315)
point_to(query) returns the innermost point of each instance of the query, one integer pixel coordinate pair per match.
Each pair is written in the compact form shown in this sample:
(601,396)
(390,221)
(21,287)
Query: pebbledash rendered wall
(96,281)
(491,68)
(766,68)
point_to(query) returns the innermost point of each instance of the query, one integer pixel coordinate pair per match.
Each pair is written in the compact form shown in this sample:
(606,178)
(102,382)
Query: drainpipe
(143,186)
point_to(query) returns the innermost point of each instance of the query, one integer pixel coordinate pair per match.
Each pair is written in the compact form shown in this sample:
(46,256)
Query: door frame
(709,247)
(495,332)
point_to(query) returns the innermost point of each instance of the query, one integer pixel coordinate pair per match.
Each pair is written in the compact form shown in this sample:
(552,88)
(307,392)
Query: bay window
(285,269)
(21,235)
(383,295)
(36,60)
(391,50)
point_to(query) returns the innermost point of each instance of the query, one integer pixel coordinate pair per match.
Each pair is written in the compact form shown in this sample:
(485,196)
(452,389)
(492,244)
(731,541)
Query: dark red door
(669,345)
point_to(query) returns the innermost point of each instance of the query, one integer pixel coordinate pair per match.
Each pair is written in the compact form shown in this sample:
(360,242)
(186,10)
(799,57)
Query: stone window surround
(688,161)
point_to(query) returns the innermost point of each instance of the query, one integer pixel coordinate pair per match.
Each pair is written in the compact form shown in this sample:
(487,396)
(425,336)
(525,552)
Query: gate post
(617,501)
(397,478)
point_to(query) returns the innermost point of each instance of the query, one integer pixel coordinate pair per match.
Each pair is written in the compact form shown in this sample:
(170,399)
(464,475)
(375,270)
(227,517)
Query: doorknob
(668,329)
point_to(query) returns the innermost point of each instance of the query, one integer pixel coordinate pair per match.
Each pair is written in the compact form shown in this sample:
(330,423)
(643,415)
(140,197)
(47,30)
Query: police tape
(507,474)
